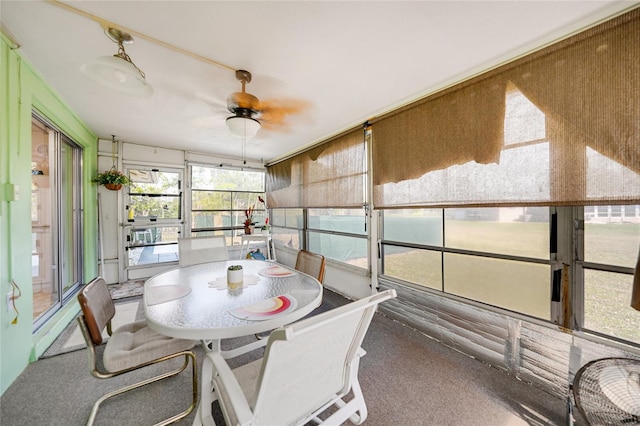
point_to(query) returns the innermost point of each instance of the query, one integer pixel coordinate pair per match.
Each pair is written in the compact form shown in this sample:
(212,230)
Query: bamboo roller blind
(329,175)
(450,148)
(578,144)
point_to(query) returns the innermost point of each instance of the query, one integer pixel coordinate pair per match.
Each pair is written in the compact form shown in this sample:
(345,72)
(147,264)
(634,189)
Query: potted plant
(248,221)
(265,227)
(112,179)
(234,277)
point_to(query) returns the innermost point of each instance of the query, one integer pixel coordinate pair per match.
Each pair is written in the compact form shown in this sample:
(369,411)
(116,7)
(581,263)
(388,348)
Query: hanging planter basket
(112,179)
(113,186)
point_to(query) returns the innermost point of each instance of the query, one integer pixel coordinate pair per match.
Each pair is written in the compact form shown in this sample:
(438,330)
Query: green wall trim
(49,332)
(23,89)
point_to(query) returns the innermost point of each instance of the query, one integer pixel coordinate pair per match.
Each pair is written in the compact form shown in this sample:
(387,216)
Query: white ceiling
(349,60)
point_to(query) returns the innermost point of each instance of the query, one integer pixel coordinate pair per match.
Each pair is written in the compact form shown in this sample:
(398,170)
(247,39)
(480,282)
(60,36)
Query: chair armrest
(228,388)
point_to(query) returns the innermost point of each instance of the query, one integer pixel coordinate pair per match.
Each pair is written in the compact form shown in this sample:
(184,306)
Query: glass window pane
(154,244)
(210,200)
(350,221)
(418,266)
(154,182)
(154,235)
(606,305)
(244,200)
(291,218)
(417,226)
(203,177)
(56,259)
(161,207)
(286,237)
(69,207)
(517,231)
(351,250)
(201,220)
(610,237)
(518,286)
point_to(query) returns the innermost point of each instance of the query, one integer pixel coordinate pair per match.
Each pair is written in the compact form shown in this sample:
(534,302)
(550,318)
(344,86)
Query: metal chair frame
(103,374)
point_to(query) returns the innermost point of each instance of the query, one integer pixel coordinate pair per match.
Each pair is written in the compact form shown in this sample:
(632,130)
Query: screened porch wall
(537,353)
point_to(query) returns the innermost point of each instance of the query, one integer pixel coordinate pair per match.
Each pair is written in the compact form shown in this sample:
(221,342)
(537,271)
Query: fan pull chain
(244,149)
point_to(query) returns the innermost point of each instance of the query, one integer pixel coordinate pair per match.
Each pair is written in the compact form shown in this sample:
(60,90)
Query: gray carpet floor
(407,379)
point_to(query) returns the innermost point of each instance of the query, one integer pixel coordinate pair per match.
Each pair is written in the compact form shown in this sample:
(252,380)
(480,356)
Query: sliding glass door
(56,218)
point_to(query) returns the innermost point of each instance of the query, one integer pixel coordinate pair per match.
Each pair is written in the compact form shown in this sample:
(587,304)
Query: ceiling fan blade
(274,112)
(242,100)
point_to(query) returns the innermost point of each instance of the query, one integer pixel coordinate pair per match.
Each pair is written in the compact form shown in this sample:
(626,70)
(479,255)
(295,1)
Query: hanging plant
(112,179)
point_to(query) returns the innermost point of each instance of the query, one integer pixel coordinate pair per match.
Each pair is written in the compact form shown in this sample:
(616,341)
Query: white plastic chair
(194,250)
(308,367)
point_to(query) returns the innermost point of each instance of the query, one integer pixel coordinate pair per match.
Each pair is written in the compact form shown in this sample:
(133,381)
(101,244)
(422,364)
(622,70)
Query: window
(339,234)
(154,215)
(56,218)
(220,198)
(152,244)
(611,241)
(474,253)
(154,195)
(287,228)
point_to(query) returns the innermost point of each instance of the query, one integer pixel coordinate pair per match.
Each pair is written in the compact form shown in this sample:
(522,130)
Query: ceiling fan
(250,114)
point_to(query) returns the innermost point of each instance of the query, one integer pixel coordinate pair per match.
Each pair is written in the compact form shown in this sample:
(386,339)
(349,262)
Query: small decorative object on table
(234,277)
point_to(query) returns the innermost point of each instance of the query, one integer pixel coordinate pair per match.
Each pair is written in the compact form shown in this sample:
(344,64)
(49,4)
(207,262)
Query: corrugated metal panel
(545,356)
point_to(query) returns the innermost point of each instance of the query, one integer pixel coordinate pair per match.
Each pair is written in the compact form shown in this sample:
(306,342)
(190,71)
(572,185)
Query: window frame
(133,223)
(233,232)
(61,234)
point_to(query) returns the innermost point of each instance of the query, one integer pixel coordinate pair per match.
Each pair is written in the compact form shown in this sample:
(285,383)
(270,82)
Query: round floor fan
(607,391)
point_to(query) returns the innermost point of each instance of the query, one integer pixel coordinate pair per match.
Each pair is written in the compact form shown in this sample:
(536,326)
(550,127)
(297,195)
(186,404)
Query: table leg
(205,418)
(211,345)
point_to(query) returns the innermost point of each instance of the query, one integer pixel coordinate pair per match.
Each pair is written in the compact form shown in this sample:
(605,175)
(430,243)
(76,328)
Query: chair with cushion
(130,347)
(308,263)
(311,264)
(194,250)
(308,368)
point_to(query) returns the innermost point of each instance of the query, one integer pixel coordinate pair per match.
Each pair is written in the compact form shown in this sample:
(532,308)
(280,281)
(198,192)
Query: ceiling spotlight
(244,127)
(118,72)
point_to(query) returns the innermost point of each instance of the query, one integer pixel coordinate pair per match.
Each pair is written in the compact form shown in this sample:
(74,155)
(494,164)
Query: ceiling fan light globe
(243,126)
(118,74)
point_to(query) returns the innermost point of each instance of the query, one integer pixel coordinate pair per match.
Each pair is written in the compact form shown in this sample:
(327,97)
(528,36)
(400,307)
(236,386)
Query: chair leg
(570,419)
(358,398)
(187,355)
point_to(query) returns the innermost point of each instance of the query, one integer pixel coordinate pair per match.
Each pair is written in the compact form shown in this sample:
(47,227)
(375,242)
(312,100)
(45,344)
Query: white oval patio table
(188,302)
